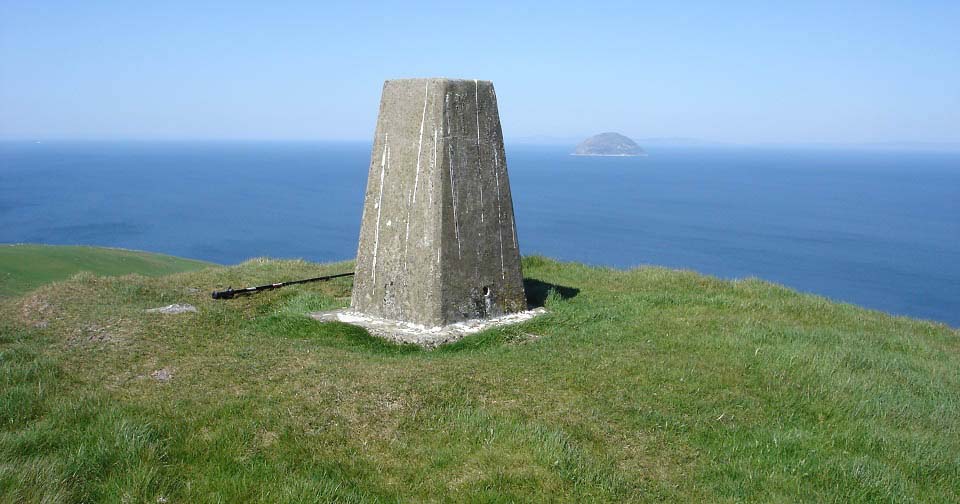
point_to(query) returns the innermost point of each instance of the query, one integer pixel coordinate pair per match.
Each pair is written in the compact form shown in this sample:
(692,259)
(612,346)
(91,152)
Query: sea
(878,228)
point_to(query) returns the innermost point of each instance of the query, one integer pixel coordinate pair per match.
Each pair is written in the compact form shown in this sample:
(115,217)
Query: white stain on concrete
(496,176)
(476,97)
(423,116)
(433,163)
(376,232)
(453,197)
(416,178)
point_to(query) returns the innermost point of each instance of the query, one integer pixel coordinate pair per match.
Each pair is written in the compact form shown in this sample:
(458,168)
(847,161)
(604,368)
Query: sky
(741,72)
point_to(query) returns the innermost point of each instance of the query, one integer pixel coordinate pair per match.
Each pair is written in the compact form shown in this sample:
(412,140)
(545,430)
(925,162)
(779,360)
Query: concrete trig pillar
(438,243)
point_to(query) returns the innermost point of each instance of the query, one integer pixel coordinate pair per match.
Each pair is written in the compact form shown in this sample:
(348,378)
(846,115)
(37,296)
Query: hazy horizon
(535,141)
(837,73)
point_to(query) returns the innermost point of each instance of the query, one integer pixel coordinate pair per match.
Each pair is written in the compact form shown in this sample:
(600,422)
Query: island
(608,144)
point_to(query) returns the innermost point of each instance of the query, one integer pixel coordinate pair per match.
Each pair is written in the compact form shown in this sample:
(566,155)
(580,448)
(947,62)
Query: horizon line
(673,141)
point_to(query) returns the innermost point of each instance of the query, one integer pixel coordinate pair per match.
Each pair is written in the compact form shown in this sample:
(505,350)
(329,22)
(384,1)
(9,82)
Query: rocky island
(609,144)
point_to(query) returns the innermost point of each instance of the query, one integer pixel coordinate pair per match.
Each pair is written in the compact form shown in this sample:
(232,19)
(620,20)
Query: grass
(25,267)
(642,385)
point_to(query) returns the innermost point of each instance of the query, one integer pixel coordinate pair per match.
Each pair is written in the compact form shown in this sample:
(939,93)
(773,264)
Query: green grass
(26,267)
(642,385)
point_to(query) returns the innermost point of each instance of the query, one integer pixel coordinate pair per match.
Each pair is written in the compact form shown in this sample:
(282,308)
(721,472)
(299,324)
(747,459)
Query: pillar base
(427,337)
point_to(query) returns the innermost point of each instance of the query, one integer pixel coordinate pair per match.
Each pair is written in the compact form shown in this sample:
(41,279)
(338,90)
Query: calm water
(875,228)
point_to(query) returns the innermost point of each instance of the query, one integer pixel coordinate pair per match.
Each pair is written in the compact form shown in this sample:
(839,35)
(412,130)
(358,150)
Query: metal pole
(230,292)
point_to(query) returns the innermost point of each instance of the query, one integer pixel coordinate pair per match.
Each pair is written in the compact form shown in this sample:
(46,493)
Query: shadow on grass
(538,292)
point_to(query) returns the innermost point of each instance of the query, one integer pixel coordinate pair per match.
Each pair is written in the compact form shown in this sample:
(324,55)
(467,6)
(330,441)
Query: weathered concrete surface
(438,243)
(428,337)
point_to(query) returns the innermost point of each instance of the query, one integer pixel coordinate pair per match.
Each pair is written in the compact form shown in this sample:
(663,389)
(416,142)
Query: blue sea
(878,228)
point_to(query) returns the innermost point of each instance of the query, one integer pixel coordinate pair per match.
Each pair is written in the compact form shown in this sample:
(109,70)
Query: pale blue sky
(724,71)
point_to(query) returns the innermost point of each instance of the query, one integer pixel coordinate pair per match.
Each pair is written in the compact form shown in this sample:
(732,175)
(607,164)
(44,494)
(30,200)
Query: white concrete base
(428,337)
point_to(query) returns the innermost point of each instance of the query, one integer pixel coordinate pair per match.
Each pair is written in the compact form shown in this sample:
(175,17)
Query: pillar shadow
(538,292)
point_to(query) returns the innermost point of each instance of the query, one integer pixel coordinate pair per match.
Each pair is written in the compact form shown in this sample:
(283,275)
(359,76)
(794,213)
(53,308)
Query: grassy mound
(640,385)
(26,267)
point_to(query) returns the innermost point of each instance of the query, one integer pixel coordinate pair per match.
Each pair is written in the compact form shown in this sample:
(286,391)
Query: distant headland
(608,144)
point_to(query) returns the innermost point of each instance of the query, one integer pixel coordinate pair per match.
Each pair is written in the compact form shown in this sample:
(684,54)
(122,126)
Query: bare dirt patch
(36,311)
(96,333)
(162,375)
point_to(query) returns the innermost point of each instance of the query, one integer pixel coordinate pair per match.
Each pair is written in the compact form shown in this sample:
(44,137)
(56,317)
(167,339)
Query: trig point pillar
(438,243)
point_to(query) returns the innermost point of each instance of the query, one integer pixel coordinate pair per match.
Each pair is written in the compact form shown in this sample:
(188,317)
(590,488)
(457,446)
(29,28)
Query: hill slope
(641,385)
(25,267)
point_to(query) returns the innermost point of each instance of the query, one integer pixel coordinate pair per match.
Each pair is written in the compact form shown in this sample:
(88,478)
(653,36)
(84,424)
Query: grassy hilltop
(641,385)
(25,267)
